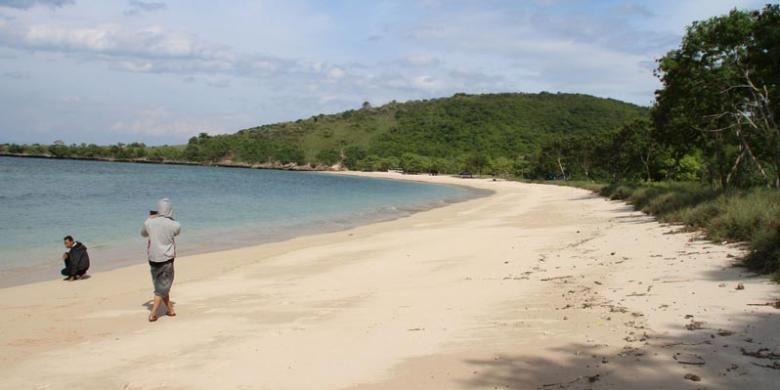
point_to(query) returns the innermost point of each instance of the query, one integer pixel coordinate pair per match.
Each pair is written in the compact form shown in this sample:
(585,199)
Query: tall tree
(717,94)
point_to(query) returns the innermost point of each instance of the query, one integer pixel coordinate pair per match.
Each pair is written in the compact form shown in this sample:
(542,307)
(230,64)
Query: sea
(103,205)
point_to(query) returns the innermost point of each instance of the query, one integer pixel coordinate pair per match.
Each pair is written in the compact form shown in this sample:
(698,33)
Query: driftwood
(556,278)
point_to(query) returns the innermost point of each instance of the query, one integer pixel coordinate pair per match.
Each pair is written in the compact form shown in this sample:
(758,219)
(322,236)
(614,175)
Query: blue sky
(160,71)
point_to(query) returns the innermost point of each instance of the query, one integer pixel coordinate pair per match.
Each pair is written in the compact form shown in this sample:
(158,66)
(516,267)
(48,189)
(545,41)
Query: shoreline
(18,276)
(533,285)
(272,166)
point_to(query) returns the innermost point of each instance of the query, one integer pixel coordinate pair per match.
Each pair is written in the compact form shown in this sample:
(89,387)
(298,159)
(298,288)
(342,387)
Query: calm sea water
(103,205)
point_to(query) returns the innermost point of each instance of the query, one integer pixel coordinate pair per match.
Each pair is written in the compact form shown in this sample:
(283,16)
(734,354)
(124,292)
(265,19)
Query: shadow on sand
(148,305)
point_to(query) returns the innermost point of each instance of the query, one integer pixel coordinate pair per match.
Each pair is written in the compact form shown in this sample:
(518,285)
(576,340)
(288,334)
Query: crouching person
(76,259)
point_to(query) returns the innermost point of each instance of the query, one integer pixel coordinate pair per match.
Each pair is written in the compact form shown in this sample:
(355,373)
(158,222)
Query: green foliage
(415,163)
(689,168)
(353,154)
(328,157)
(521,167)
(719,96)
(502,166)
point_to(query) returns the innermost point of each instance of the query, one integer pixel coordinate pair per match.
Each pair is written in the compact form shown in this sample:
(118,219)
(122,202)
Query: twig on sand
(686,344)
(695,325)
(556,278)
(561,385)
(776,305)
(774,366)
(761,353)
(689,359)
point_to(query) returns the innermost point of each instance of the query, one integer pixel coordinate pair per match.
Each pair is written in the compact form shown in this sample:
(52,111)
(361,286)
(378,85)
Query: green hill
(508,133)
(455,129)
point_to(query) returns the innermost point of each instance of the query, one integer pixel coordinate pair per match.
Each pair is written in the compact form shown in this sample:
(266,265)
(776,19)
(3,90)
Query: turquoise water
(103,205)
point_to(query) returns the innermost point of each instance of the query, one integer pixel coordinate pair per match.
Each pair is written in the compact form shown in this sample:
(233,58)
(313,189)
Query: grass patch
(746,215)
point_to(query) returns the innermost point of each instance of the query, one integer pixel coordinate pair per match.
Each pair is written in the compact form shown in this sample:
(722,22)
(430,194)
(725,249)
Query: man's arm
(177,230)
(144,233)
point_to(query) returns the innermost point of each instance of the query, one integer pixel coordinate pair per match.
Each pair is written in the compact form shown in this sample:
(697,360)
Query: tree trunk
(560,166)
(734,167)
(646,162)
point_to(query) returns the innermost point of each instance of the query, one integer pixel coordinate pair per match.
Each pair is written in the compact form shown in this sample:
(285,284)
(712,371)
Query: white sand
(532,286)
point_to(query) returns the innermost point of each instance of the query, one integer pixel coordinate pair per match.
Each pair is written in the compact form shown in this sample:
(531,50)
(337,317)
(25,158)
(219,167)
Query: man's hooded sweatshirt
(161,230)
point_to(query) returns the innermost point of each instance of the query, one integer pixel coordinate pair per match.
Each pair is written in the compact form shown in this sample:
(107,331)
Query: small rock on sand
(693,377)
(689,358)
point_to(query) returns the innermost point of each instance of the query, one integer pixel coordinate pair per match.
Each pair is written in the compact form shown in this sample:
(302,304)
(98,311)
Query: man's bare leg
(155,308)
(169,306)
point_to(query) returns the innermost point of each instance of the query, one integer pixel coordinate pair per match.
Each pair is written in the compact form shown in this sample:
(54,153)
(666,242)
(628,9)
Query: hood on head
(165,208)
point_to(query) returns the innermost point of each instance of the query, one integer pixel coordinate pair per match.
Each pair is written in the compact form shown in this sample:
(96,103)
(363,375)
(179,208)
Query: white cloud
(153,42)
(336,73)
(159,122)
(421,59)
(427,83)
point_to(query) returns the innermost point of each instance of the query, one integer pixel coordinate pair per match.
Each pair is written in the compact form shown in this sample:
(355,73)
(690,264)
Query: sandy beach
(532,287)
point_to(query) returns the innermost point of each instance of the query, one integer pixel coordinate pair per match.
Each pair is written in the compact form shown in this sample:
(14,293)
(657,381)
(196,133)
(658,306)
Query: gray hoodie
(161,230)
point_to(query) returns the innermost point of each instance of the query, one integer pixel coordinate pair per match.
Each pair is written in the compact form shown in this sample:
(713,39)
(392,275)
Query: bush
(328,157)
(414,163)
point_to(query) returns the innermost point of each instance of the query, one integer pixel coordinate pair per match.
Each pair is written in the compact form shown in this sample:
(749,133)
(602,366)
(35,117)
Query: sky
(161,71)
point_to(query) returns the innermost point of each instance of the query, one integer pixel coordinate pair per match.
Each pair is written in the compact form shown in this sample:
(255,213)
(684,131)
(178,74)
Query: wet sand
(534,286)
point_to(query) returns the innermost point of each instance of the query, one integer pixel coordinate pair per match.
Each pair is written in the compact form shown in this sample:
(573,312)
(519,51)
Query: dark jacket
(77,260)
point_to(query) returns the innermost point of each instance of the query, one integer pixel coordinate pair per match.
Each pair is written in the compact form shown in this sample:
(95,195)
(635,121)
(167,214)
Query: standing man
(161,229)
(76,259)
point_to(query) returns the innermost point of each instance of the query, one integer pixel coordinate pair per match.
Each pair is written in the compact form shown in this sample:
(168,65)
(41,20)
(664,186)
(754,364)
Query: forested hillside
(495,133)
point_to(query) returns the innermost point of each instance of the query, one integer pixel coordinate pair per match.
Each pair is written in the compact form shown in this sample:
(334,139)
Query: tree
(521,167)
(441,165)
(15,148)
(476,162)
(390,162)
(552,159)
(328,157)
(633,152)
(719,92)
(353,154)
(414,163)
(502,166)
(368,163)
(58,151)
